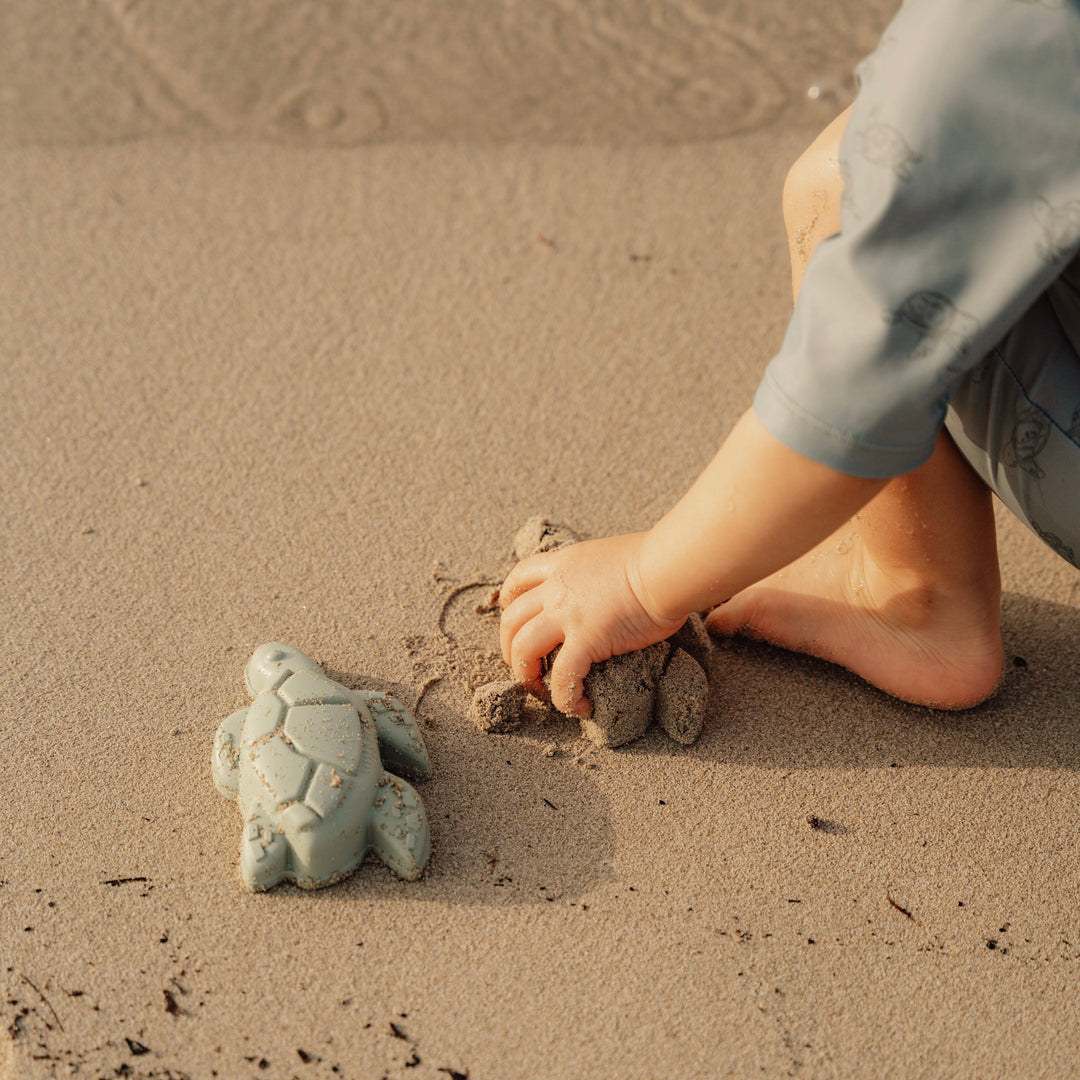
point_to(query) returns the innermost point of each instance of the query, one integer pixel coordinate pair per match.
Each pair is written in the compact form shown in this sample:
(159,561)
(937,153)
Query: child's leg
(908,594)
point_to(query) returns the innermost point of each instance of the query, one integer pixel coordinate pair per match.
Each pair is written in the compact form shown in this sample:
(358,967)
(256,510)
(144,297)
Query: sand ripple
(347,73)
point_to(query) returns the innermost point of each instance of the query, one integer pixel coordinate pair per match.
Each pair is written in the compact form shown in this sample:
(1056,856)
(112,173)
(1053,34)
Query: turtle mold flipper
(226,763)
(264,854)
(399,832)
(401,745)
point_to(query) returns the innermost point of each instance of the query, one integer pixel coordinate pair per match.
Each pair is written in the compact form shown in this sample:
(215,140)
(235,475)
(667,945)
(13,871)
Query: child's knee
(813,190)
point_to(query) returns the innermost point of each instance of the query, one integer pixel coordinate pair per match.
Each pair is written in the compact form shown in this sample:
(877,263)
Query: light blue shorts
(1016,418)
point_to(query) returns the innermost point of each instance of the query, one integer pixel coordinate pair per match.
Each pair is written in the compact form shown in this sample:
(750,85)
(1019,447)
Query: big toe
(727,619)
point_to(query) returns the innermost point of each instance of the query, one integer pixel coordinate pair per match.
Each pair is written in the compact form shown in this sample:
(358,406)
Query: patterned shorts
(1016,418)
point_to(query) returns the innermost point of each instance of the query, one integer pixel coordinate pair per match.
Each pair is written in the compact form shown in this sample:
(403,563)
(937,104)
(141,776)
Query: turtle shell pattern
(309,760)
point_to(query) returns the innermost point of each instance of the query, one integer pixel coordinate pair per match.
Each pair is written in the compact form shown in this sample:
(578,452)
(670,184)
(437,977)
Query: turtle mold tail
(264,854)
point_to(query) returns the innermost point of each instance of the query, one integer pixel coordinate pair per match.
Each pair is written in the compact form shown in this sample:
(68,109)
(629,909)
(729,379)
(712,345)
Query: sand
(266,383)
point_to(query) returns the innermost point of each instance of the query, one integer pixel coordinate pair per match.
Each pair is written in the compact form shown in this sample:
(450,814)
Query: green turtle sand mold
(305,763)
(665,682)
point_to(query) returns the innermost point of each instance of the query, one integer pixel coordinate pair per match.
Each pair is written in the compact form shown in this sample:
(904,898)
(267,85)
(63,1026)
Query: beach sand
(302,379)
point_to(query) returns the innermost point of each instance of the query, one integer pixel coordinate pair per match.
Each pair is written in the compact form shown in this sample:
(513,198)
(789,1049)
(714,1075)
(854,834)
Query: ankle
(930,592)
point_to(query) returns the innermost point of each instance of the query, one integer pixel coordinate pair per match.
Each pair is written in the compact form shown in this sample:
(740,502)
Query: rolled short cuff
(846,452)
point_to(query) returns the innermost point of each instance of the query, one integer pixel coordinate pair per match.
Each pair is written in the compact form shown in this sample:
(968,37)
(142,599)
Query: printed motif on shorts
(1074,426)
(1054,542)
(940,324)
(1028,439)
(883,145)
(1060,226)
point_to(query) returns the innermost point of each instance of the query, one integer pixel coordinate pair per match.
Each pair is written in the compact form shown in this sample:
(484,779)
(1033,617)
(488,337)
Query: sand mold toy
(305,762)
(665,682)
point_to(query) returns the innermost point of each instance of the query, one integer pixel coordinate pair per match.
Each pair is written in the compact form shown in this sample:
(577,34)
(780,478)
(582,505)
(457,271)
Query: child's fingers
(567,680)
(526,575)
(515,616)
(529,647)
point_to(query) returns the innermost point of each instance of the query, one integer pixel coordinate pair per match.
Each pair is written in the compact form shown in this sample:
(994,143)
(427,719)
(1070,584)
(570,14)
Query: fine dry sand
(275,367)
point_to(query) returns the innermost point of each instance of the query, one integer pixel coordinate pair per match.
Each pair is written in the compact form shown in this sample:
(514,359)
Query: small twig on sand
(903,910)
(43,998)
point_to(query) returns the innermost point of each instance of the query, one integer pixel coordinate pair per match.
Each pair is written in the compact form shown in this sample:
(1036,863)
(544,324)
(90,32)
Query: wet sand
(302,379)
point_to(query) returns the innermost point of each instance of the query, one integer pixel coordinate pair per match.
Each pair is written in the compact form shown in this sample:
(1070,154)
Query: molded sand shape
(665,682)
(304,762)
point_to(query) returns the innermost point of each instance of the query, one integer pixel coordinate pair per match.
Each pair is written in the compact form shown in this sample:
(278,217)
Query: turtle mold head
(271,663)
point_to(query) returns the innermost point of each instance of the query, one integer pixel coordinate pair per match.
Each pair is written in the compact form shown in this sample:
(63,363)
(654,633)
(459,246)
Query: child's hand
(587,597)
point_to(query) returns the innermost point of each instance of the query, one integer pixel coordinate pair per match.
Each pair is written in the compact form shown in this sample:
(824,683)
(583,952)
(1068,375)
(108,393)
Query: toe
(728,618)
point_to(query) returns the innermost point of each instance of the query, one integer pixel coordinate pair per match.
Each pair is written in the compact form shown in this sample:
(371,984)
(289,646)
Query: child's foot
(927,642)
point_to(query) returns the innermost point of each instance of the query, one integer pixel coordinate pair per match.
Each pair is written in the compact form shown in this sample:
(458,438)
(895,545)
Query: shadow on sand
(520,818)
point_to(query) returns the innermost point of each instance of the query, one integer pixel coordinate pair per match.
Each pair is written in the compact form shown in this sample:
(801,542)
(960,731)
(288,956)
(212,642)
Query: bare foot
(927,642)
